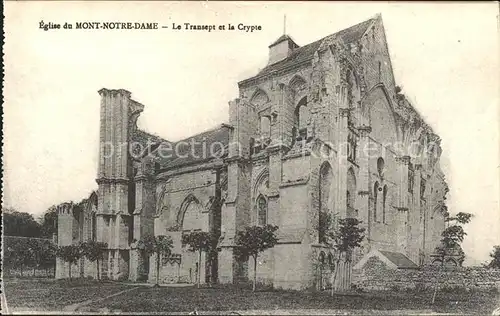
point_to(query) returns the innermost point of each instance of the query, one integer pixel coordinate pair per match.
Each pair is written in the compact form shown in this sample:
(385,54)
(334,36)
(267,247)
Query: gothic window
(325,181)
(384,199)
(301,119)
(252,143)
(350,85)
(330,259)
(259,98)
(262,210)
(380,166)
(351,147)
(131,196)
(410,180)
(94,226)
(192,216)
(422,189)
(321,257)
(375,196)
(351,193)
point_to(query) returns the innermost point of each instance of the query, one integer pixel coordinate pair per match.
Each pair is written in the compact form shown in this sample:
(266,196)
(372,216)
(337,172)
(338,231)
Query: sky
(444,56)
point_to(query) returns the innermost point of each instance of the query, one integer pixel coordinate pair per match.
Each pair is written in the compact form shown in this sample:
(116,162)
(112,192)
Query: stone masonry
(322,128)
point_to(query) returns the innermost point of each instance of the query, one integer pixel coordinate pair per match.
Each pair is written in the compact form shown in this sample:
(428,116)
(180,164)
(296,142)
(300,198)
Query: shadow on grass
(53,295)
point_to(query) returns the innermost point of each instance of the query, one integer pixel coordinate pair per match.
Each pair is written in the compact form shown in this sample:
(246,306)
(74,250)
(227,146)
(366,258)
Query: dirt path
(75,307)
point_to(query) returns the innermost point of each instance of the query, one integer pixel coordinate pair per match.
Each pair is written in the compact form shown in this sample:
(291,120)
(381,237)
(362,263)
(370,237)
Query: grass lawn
(187,299)
(51,295)
(54,295)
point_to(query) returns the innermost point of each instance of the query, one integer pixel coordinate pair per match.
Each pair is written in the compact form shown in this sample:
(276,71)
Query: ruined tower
(114,222)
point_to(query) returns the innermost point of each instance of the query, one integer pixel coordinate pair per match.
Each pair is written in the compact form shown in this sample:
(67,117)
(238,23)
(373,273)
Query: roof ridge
(151,134)
(305,53)
(342,30)
(212,129)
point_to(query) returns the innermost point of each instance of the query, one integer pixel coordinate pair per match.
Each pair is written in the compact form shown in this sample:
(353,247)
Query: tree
(20,224)
(345,239)
(26,253)
(35,249)
(200,241)
(452,237)
(495,258)
(94,252)
(47,257)
(48,223)
(17,253)
(254,240)
(70,254)
(159,245)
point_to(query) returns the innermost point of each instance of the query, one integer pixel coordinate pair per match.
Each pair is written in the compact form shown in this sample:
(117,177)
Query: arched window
(94,226)
(350,84)
(411,179)
(262,211)
(384,199)
(380,166)
(330,259)
(375,195)
(351,193)
(321,257)
(351,147)
(422,188)
(325,182)
(191,219)
(301,118)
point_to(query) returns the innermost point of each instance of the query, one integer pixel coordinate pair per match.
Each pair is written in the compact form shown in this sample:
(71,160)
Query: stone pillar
(134,263)
(275,177)
(402,230)
(342,162)
(363,182)
(64,236)
(143,219)
(403,162)
(235,217)
(422,214)
(118,116)
(282,116)
(236,214)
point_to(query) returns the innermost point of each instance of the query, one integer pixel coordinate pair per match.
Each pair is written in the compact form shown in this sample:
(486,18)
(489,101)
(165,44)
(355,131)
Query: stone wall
(375,275)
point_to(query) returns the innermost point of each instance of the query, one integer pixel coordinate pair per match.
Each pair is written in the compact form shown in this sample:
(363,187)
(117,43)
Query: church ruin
(322,128)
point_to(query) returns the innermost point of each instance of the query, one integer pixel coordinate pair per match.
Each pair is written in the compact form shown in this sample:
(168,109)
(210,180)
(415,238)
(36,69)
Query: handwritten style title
(147,26)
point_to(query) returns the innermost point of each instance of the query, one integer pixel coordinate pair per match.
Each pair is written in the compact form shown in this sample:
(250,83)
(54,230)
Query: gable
(381,115)
(377,64)
(390,260)
(306,53)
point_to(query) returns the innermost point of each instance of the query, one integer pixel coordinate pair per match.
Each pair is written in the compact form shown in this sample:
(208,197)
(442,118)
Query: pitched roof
(399,259)
(198,148)
(392,260)
(144,137)
(306,52)
(282,38)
